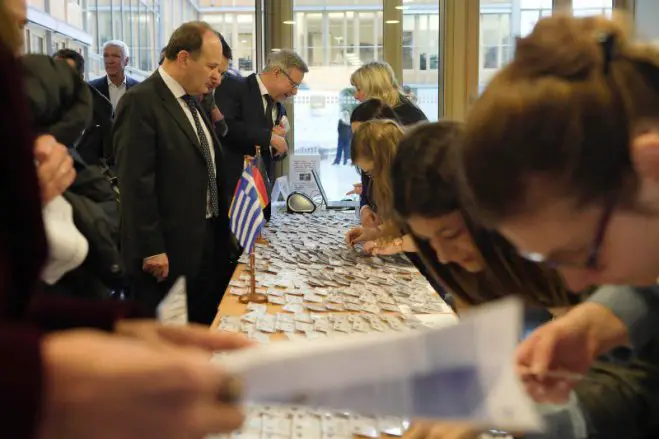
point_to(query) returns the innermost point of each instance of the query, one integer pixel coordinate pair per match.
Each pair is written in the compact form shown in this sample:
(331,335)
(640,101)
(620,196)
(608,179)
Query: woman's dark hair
(424,178)
(372,109)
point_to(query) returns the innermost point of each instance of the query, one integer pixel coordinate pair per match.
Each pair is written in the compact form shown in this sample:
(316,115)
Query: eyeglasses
(290,79)
(592,261)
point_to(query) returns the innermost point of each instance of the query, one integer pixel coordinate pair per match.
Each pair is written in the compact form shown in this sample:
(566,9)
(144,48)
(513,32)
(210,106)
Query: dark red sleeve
(54,312)
(21,381)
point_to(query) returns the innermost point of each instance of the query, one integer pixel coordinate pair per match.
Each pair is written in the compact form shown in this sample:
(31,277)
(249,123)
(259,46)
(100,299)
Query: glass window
(335,37)
(421,55)
(238,28)
(584,8)
(502,21)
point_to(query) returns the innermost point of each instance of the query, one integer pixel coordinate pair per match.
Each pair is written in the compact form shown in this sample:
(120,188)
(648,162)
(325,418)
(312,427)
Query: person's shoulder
(408,112)
(97,82)
(130,81)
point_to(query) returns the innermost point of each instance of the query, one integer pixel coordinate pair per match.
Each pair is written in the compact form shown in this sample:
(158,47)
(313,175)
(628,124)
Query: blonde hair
(377,80)
(562,112)
(377,141)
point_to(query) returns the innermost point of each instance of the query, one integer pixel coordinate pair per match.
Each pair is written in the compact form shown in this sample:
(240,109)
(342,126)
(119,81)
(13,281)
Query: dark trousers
(204,290)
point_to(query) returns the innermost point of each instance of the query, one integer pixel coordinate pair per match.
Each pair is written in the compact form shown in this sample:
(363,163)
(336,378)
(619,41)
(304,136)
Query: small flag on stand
(246,213)
(260,182)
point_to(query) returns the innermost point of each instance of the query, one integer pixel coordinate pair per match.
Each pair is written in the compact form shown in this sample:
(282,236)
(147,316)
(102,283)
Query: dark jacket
(101,84)
(60,102)
(95,145)
(240,100)
(26,314)
(164,180)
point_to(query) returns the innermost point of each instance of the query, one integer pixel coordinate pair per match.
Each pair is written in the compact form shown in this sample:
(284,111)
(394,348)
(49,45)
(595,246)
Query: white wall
(647,19)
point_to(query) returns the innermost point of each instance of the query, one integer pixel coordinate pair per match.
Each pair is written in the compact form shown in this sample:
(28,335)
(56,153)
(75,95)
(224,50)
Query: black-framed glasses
(592,261)
(290,79)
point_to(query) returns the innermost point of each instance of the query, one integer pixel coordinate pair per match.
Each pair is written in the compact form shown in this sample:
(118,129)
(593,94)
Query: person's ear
(127,60)
(645,155)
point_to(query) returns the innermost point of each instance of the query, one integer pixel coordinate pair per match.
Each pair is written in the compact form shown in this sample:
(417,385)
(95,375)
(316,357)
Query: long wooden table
(231,306)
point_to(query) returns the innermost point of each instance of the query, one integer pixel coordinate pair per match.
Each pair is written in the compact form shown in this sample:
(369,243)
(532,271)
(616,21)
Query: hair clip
(607,41)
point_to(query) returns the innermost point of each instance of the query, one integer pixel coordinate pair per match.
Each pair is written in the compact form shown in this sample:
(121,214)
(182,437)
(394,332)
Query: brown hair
(563,111)
(376,141)
(424,177)
(10,29)
(187,37)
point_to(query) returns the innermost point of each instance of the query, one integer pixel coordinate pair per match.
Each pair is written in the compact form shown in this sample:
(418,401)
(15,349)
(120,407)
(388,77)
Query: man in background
(253,111)
(116,83)
(95,146)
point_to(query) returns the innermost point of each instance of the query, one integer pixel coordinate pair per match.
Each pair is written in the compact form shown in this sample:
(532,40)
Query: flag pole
(253,296)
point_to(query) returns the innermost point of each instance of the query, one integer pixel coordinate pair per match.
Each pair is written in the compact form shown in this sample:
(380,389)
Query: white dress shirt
(178,91)
(116,91)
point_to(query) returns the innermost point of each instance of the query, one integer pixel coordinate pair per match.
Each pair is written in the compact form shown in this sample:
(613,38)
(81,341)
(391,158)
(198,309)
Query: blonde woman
(376,80)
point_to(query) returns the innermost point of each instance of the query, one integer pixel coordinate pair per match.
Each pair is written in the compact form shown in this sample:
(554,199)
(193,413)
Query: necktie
(206,151)
(268,110)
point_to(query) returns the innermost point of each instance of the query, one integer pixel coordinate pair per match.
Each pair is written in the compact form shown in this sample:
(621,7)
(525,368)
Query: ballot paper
(461,372)
(173,309)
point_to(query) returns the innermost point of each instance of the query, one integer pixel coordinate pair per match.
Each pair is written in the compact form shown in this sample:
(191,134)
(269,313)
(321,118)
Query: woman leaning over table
(477,265)
(571,124)
(75,369)
(376,87)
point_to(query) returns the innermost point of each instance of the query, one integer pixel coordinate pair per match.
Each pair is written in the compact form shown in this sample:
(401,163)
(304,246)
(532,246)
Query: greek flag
(246,215)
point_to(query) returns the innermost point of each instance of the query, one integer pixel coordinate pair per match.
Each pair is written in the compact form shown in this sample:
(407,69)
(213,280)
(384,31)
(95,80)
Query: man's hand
(368,217)
(216,114)
(192,335)
(54,167)
(279,144)
(157,266)
(567,346)
(279,131)
(106,386)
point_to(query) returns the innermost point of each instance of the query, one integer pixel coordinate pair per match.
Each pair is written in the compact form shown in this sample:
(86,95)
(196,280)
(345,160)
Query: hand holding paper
(461,372)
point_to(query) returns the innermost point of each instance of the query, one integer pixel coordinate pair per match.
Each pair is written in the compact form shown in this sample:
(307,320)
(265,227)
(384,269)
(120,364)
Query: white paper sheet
(463,372)
(173,309)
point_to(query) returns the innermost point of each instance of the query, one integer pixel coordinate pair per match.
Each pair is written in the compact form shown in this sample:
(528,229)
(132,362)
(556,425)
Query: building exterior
(84,25)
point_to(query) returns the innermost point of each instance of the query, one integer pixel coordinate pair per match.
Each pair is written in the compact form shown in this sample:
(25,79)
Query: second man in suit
(252,109)
(116,82)
(174,202)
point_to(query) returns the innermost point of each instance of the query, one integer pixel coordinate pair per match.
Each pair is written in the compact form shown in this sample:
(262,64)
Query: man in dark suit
(95,146)
(174,203)
(253,109)
(116,83)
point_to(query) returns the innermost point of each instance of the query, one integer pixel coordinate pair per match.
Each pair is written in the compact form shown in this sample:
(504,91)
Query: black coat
(164,181)
(60,102)
(240,100)
(95,146)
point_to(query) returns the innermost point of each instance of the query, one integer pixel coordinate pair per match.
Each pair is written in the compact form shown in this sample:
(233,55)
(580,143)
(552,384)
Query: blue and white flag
(246,215)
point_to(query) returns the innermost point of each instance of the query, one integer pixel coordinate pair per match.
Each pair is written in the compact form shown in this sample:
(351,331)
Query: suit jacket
(240,100)
(101,84)
(164,180)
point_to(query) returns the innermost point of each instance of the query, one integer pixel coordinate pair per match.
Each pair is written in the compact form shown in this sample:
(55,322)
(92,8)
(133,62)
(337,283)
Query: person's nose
(440,251)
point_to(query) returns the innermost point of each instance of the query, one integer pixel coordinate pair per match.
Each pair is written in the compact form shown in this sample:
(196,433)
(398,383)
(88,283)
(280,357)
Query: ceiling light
(288,22)
(392,21)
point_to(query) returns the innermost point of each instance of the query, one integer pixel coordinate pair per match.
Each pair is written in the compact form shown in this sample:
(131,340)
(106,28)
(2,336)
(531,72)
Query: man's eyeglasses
(592,261)
(293,83)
